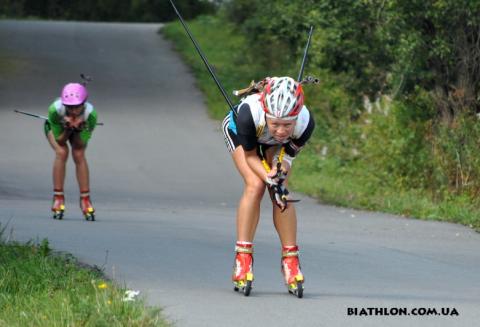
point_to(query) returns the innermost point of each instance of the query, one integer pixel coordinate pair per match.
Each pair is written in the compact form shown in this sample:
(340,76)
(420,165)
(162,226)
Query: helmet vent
(283,97)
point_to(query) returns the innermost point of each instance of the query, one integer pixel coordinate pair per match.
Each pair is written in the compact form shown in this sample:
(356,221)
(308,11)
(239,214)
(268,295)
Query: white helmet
(282,98)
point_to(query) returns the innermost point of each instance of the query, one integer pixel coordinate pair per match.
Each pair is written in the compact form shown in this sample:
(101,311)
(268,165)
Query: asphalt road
(165,191)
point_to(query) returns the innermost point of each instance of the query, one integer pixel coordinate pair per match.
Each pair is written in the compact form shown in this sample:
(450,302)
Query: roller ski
(58,205)
(243,268)
(87,207)
(291,271)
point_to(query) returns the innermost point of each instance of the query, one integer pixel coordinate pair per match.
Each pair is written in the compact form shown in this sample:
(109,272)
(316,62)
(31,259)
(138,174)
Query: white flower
(130,295)
(367,104)
(324,151)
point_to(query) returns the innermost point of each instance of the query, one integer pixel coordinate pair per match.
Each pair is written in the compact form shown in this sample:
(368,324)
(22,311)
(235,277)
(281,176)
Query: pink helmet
(74,94)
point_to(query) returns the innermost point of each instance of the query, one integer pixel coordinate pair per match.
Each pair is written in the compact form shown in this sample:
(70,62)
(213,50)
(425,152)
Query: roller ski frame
(294,283)
(86,207)
(243,265)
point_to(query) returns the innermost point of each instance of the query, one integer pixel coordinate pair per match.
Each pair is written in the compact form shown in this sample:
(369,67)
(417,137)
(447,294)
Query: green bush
(455,155)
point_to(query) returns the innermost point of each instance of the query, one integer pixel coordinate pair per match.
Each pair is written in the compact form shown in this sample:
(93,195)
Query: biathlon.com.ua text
(372,311)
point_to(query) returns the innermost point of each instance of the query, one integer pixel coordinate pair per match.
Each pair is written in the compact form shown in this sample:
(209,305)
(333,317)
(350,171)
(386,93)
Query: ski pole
(305,52)
(32,115)
(39,116)
(204,58)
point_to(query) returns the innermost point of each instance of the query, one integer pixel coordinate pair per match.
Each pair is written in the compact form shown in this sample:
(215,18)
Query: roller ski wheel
(58,215)
(244,286)
(296,288)
(90,216)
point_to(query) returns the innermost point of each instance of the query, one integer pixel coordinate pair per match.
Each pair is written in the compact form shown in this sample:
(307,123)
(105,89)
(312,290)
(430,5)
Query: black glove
(278,192)
(69,127)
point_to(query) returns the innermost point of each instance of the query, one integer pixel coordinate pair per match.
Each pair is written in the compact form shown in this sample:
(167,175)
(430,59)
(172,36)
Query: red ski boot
(242,276)
(86,206)
(58,204)
(291,270)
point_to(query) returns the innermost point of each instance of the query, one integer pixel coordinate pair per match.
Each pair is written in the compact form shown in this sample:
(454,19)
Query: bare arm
(255,164)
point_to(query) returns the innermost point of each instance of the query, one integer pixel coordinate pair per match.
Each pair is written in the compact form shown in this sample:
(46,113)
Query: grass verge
(40,288)
(333,183)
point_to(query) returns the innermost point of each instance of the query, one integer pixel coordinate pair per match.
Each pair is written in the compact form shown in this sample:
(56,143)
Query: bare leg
(248,213)
(81,165)
(59,164)
(285,222)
